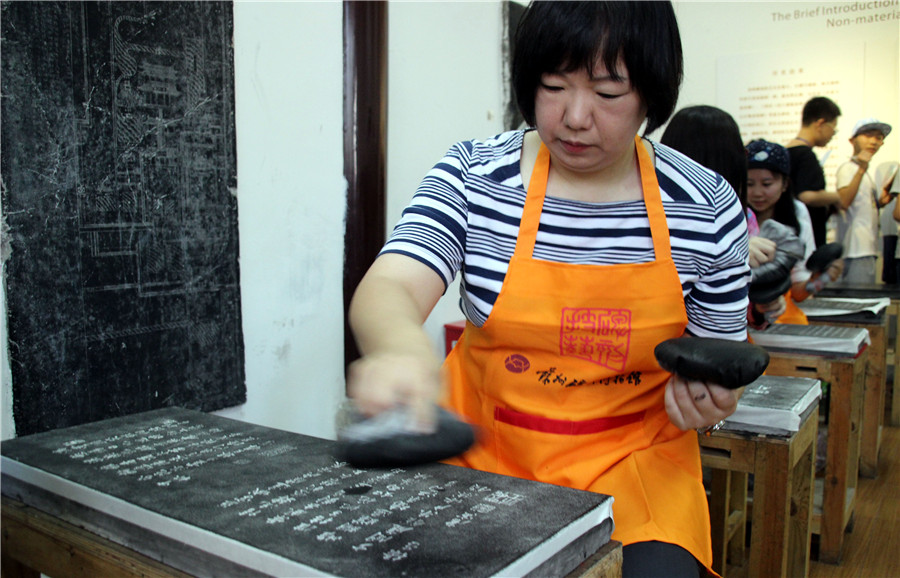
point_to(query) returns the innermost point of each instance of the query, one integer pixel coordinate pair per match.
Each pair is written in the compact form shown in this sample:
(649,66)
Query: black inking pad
(759,292)
(731,364)
(386,441)
(824,256)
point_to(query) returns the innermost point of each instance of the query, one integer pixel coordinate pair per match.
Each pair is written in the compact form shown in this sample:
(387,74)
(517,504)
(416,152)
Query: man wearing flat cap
(861,197)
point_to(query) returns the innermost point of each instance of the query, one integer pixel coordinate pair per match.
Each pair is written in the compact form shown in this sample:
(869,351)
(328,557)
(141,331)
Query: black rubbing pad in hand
(384,440)
(768,292)
(731,364)
(824,256)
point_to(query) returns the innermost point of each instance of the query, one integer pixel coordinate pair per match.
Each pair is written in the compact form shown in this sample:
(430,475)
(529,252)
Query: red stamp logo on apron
(517,363)
(598,335)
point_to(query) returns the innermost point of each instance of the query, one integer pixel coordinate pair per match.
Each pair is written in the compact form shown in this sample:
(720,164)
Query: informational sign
(765,93)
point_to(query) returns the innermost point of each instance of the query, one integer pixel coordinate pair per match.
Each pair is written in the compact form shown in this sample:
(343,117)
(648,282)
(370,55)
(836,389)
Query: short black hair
(564,36)
(819,107)
(710,136)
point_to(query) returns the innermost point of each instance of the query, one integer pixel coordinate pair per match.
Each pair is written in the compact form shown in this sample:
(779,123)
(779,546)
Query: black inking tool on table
(390,440)
(731,364)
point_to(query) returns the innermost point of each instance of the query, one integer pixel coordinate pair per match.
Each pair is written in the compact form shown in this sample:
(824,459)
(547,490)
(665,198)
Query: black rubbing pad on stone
(731,364)
(384,441)
(824,256)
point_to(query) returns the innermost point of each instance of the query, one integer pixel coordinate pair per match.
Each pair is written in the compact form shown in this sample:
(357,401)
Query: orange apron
(563,383)
(792,313)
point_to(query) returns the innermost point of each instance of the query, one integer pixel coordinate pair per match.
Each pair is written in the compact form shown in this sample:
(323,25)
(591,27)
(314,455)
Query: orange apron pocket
(562,452)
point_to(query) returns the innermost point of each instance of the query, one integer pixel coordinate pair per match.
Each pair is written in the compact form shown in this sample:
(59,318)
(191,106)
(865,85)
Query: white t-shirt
(858,225)
(799,272)
(888,225)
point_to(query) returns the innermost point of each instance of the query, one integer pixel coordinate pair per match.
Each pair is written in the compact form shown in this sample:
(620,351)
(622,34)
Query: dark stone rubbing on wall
(118,166)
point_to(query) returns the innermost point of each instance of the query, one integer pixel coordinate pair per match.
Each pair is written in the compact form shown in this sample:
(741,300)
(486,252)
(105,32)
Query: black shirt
(807,175)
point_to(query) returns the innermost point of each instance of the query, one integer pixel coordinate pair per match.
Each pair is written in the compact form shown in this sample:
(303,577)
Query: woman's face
(764,188)
(588,122)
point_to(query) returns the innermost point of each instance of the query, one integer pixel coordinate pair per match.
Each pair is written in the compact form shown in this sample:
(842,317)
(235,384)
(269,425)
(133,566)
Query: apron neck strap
(537,190)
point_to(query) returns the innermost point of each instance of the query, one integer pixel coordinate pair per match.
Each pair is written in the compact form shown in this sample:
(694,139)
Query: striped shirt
(465,217)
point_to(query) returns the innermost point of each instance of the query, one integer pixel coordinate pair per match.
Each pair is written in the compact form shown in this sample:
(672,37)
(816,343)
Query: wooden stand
(605,563)
(846,379)
(873,400)
(893,325)
(35,542)
(892,359)
(783,468)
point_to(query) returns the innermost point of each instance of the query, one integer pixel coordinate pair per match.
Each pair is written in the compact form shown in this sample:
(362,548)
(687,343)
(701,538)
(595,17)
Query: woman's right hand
(399,366)
(380,381)
(762,250)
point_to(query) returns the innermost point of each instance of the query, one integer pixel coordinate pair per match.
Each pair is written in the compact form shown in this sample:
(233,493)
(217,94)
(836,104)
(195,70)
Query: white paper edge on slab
(556,543)
(205,540)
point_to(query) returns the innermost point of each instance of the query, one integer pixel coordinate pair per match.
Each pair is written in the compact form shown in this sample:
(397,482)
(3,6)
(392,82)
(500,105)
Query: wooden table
(892,350)
(836,494)
(873,397)
(783,466)
(36,543)
(176,491)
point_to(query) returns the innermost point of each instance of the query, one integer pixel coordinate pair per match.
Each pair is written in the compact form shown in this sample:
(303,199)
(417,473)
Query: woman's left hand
(696,404)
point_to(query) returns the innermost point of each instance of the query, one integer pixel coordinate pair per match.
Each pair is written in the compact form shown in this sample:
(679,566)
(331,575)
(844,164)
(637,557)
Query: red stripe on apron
(564,427)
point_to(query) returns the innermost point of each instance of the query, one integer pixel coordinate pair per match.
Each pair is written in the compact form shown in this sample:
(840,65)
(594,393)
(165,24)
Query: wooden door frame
(365,144)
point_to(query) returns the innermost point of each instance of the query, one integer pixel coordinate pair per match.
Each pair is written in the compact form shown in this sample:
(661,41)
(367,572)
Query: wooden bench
(783,468)
(835,495)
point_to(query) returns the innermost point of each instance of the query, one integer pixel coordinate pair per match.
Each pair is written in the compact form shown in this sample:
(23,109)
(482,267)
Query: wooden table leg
(802,491)
(781,510)
(894,323)
(727,516)
(771,511)
(842,458)
(873,407)
(846,378)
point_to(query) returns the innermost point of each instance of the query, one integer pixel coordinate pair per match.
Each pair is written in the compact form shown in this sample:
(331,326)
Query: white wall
(445,84)
(291,204)
(288,76)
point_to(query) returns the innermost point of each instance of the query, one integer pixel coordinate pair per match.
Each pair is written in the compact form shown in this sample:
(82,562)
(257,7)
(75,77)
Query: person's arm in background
(849,190)
(805,284)
(884,192)
(762,250)
(820,198)
(808,182)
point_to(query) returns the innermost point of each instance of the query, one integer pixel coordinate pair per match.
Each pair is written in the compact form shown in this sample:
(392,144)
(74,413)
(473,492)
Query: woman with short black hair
(581,246)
